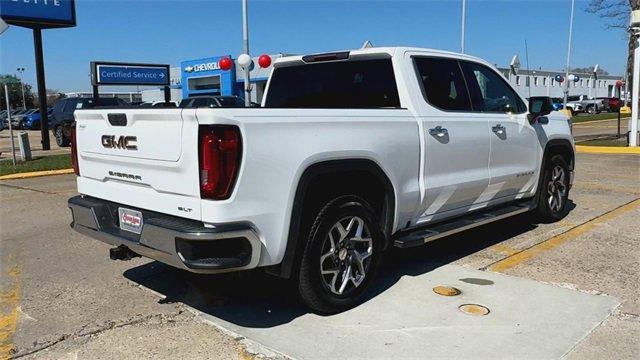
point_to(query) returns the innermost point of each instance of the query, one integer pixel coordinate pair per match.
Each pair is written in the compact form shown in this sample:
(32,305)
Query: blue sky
(170,31)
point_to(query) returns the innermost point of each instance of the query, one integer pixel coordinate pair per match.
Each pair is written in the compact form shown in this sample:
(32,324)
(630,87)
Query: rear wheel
(341,255)
(554,190)
(591,110)
(61,139)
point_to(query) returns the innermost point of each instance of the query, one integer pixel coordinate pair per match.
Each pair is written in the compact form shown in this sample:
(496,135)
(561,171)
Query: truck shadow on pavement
(257,300)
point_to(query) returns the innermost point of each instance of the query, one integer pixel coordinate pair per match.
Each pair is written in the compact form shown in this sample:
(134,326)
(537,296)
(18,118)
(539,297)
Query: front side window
(443,83)
(489,92)
(336,84)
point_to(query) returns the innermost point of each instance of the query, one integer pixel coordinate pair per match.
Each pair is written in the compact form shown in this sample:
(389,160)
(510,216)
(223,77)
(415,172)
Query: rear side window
(443,84)
(59,106)
(490,92)
(338,84)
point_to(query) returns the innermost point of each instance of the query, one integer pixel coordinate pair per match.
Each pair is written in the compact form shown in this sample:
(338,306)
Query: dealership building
(543,83)
(204,77)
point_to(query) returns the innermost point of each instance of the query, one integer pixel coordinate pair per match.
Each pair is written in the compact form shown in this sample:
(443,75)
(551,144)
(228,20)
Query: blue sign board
(204,77)
(129,74)
(39,13)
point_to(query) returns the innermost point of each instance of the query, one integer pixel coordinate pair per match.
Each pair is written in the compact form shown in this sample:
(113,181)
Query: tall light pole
(245,50)
(464,20)
(635,87)
(21,71)
(566,75)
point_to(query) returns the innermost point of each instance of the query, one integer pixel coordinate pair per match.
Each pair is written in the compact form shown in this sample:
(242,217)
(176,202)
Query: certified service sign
(110,73)
(39,13)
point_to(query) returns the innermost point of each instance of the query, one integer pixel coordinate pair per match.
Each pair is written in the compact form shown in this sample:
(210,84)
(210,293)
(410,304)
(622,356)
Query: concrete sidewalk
(406,319)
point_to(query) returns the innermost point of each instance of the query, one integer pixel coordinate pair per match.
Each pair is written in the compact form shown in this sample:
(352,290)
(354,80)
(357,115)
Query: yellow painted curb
(585,149)
(578,124)
(566,112)
(27,175)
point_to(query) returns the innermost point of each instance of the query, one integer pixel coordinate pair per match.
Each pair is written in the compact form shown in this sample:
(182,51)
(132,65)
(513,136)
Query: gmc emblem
(122,142)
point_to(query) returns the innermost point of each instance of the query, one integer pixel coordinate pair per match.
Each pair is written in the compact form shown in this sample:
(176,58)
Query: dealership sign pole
(38,15)
(13,147)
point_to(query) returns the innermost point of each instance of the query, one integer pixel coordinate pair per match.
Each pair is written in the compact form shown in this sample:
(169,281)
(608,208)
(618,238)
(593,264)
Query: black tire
(591,109)
(548,210)
(318,291)
(61,140)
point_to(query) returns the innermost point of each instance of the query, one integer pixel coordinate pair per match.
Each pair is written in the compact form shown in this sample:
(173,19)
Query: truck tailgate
(137,157)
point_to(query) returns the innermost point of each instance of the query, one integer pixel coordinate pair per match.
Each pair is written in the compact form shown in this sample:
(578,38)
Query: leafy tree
(588,70)
(15,93)
(617,13)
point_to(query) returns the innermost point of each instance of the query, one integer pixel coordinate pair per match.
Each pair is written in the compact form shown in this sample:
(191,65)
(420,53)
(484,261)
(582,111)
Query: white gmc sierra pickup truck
(351,153)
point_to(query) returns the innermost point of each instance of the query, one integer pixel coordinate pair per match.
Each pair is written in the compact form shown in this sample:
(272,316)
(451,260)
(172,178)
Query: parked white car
(352,153)
(581,103)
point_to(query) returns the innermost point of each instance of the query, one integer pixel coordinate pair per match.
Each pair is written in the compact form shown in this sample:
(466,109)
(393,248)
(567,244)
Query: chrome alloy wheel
(556,189)
(346,253)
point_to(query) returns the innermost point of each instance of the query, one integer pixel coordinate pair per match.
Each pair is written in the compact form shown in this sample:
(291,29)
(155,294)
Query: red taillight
(220,151)
(74,152)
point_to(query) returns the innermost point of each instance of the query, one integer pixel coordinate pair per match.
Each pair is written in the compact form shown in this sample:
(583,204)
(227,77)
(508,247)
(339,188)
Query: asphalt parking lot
(568,289)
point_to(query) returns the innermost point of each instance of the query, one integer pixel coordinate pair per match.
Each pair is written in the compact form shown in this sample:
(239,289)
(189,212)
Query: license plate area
(130,220)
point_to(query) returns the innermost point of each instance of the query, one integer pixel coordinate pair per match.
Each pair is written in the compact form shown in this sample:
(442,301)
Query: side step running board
(424,235)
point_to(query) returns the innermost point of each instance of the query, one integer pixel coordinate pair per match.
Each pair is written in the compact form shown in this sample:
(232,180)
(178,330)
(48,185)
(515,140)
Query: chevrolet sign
(202,67)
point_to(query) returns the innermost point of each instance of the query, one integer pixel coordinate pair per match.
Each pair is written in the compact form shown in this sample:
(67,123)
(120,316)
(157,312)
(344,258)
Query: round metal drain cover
(474,309)
(446,290)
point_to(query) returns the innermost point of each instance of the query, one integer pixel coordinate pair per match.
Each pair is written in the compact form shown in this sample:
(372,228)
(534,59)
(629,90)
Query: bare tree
(616,13)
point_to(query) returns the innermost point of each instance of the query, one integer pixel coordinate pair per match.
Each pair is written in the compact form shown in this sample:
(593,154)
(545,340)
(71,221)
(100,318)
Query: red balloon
(619,83)
(264,61)
(225,63)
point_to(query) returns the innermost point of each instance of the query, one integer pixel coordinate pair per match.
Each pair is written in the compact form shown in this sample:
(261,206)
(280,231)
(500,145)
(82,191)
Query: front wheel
(554,190)
(341,255)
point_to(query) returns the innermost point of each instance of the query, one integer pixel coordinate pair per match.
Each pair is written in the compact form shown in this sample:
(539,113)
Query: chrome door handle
(498,129)
(438,131)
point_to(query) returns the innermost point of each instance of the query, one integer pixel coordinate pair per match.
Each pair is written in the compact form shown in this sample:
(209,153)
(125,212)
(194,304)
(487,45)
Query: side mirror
(539,106)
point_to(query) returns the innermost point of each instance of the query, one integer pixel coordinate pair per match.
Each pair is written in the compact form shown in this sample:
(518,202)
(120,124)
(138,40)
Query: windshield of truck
(88,103)
(230,102)
(336,84)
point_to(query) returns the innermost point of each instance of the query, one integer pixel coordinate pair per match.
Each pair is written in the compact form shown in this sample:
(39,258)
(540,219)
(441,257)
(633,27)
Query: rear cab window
(442,83)
(364,84)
